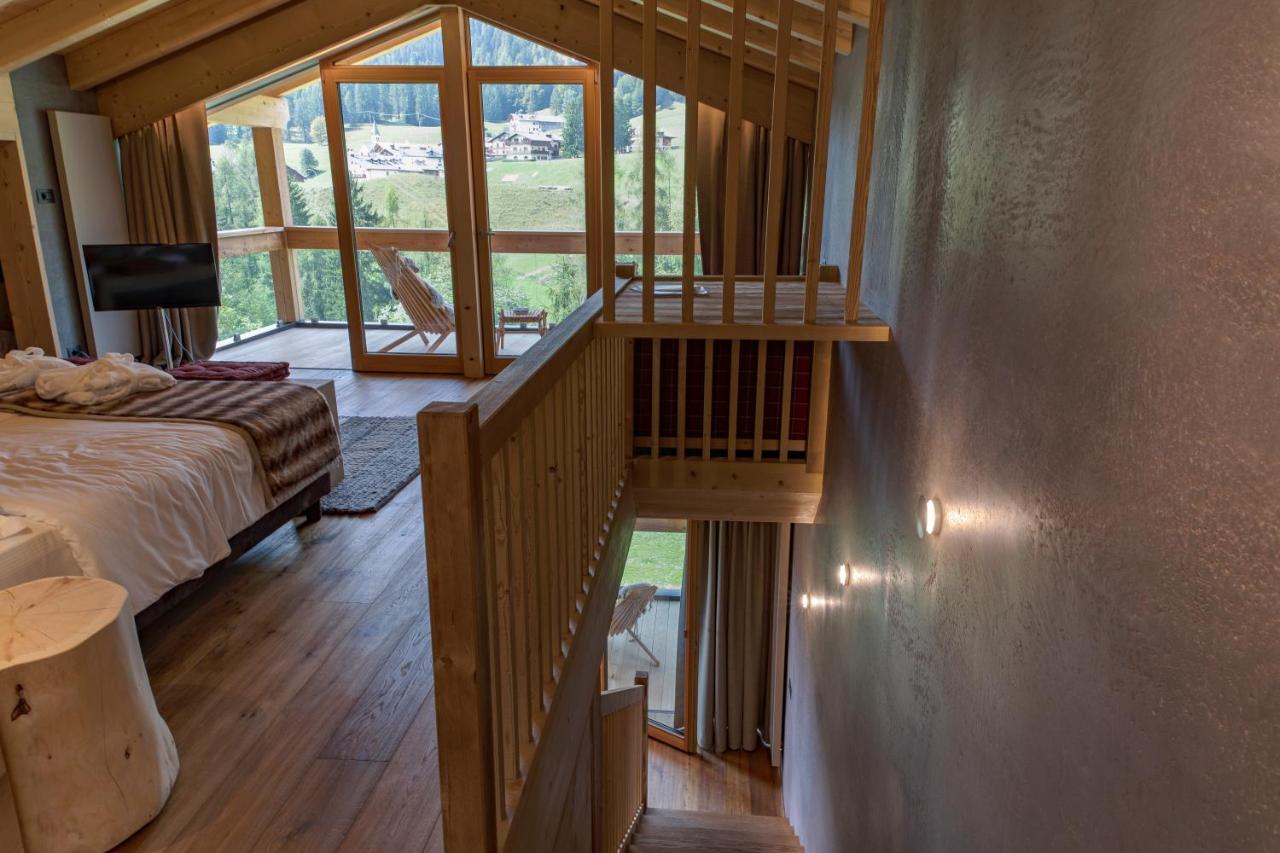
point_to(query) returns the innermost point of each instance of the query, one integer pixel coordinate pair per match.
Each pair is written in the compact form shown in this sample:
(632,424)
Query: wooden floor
(659,629)
(330,346)
(732,783)
(298,685)
(747,305)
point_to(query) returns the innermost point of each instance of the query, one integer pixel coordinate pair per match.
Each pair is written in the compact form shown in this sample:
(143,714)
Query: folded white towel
(11,526)
(110,378)
(19,368)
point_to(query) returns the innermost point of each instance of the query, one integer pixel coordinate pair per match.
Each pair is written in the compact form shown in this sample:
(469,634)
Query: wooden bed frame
(305,505)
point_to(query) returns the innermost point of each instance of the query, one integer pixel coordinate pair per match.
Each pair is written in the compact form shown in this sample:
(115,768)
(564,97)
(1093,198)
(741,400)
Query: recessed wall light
(804,601)
(928,517)
(842,574)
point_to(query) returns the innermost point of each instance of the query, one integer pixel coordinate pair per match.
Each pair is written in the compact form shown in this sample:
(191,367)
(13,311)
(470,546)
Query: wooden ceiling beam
(255,111)
(171,28)
(56,25)
(806,22)
(671,21)
(572,25)
(761,37)
(285,36)
(304,29)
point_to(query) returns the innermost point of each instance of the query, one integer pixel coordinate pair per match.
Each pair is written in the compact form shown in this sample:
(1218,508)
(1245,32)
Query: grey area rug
(380,457)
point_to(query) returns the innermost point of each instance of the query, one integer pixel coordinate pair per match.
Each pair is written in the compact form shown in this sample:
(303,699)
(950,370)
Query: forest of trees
(248,295)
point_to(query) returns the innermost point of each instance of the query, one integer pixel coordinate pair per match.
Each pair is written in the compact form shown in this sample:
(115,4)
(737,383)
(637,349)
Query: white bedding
(147,505)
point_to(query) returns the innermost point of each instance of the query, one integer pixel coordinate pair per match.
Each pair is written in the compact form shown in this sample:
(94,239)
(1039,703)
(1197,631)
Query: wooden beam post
(458,196)
(257,111)
(273,185)
(777,149)
(733,161)
(649,144)
(608,211)
(55,25)
(691,109)
(866,143)
(818,183)
(449,439)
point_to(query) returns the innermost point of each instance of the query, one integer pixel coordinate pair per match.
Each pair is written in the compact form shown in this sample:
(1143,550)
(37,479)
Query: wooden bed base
(305,504)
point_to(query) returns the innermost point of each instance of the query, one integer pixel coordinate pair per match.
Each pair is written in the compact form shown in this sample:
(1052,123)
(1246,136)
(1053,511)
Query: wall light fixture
(928,517)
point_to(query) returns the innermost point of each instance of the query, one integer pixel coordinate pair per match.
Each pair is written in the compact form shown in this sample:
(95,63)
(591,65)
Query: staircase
(708,832)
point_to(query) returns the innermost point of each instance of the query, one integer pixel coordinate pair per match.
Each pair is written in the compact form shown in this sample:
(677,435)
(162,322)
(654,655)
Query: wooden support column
(273,184)
(449,438)
(691,109)
(821,143)
(777,150)
(20,258)
(866,142)
(649,145)
(733,159)
(608,212)
(458,196)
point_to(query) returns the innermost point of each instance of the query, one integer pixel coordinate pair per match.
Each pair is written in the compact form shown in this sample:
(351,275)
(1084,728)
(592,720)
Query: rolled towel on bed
(110,378)
(20,367)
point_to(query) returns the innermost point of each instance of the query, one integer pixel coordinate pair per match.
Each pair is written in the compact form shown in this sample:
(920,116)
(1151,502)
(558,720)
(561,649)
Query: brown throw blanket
(288,426)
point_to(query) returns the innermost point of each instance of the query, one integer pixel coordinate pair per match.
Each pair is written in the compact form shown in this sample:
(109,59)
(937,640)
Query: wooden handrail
(624,761)
(523,574)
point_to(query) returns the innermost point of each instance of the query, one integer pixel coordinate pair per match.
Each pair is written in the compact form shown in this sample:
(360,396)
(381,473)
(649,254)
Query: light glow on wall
(929,517)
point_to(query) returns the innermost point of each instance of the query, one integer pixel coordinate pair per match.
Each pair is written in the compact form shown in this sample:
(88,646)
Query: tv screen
(132,277)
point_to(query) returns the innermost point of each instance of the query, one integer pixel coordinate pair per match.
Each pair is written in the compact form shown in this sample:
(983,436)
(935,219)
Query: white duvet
(147,505)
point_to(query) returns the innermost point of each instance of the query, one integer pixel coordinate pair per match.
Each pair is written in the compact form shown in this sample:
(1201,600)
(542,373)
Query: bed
(149,505)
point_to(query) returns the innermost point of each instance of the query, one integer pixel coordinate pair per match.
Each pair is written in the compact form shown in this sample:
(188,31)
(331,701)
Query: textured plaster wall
(1076,238)
(38,88)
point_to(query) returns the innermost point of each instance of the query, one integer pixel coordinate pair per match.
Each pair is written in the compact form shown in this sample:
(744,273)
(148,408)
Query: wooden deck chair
(426,308)
(633,601)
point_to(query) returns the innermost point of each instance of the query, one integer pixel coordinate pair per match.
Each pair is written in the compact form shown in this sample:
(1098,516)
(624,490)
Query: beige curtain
(168,195)
(753,193)
(736,563)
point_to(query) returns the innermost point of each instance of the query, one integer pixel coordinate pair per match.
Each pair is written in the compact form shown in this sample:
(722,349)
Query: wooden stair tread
(711,832)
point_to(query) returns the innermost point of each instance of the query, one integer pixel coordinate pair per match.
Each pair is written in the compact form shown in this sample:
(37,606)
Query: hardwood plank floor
(329,347)
(299,688)
(733,783)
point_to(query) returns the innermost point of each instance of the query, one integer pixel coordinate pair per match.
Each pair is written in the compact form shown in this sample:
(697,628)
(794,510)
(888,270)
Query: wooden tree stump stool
(89,758)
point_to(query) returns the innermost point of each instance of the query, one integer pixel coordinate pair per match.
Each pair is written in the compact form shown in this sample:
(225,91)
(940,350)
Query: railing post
(642,680)
(453,489)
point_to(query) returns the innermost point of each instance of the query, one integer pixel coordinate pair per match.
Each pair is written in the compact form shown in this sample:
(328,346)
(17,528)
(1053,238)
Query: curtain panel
(736,562)
(168,196)
(753,197)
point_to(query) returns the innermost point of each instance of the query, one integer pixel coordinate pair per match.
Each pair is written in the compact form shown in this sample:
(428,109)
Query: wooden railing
(528,518)
(624,760)
(791,59)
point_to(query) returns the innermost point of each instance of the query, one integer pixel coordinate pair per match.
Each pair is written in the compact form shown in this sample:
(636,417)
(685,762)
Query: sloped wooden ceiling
(148,58)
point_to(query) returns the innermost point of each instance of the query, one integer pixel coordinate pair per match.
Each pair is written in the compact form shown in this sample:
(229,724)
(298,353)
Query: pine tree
(319,132)
(310,165)
(571,142)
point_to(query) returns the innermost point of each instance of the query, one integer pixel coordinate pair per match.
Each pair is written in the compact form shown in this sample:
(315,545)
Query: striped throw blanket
(289,427)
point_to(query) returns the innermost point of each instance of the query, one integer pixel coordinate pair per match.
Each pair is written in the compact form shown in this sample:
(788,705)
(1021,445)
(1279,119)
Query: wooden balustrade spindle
(655,414)
(784,429)
(757,442)
(608,213)
(733,159)
(735,359)
(821,144)
(692,65)
(777,155)
(708,373)
(649,146)
(862,179)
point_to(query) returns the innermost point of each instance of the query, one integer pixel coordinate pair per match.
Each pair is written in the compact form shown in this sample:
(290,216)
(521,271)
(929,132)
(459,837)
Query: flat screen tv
(137,276)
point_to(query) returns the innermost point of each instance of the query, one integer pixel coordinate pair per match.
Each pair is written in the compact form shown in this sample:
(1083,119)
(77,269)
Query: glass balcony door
(535,150)
(386,133)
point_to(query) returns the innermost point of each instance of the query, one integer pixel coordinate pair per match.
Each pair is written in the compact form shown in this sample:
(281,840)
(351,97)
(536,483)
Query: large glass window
(306,154)
(236,198)
(426,49)
(496,47)
(248,295)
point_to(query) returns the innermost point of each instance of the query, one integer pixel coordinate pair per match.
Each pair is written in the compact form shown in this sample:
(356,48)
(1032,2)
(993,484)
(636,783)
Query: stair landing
(710,832)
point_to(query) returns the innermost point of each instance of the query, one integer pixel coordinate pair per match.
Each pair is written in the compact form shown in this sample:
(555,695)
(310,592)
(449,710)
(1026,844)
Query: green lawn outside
(656,558)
